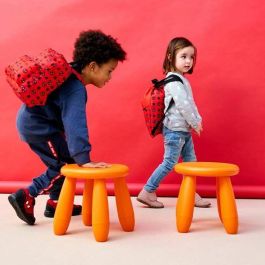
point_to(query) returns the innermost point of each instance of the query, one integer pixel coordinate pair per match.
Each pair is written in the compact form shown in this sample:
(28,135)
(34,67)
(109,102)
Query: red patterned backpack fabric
(34,78)
(153,104)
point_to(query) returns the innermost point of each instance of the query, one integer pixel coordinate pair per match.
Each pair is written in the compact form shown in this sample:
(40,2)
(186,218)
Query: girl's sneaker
(200,202)
(51,206)
(149,199)
(23,203)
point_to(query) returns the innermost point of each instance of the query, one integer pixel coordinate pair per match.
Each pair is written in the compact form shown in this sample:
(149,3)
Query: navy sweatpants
(54,154)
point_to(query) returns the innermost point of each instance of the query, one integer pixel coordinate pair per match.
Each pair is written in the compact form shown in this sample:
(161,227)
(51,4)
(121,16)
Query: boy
(57,132)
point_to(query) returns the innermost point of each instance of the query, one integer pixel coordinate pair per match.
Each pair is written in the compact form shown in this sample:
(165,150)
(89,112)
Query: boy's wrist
(82,158)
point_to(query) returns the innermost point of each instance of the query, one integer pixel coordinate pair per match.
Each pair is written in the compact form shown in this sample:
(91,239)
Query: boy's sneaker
(23,204)
(51,206)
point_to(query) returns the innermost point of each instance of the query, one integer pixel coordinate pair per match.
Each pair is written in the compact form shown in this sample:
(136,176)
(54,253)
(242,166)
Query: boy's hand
(199,129)
(96,165)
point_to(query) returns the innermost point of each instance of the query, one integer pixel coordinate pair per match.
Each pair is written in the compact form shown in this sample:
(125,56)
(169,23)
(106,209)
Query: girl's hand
(96,165)
(199,129)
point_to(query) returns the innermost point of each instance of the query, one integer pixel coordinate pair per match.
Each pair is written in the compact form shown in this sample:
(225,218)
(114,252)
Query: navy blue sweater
(64,112)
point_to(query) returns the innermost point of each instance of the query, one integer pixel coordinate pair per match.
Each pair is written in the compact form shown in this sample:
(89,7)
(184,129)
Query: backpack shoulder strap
(169,79)
(172,78)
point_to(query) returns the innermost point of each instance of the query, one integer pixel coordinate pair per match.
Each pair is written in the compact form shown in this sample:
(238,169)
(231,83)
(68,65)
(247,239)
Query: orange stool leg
(228,205)
(218,199)
(64,207)
(124,205)
(100,211)
(185,203)
(87,203)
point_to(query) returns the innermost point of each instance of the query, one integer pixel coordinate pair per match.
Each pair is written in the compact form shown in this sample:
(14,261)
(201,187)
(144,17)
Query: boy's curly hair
(94,45)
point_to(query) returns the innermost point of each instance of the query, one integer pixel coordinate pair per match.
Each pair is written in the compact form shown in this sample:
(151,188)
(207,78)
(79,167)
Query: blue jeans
(176,144)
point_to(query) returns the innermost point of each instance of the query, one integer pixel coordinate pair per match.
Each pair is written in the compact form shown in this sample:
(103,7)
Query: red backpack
(153,104)
(34,78)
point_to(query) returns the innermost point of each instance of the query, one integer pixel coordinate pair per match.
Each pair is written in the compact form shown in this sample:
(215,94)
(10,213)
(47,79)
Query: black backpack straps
(172,78)
(169,79)
(156,83)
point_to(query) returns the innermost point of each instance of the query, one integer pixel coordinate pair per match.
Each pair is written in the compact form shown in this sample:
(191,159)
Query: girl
(180,119)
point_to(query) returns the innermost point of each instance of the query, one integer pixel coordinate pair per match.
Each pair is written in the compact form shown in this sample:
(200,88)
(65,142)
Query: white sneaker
(200,202)
(149,199)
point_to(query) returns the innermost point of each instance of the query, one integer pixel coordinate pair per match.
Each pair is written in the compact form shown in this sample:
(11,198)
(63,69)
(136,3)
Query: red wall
(228,82)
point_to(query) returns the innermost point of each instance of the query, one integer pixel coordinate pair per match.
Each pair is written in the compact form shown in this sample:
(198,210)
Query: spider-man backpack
(34,78)
(153,104)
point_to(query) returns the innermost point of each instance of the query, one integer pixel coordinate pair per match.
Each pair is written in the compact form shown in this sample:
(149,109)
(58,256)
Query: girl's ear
(169,57)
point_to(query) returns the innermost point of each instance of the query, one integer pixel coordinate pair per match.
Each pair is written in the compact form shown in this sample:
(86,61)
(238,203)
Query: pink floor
(154,241)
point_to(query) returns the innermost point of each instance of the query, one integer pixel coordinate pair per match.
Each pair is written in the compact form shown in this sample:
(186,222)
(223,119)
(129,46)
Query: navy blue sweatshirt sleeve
(73,106)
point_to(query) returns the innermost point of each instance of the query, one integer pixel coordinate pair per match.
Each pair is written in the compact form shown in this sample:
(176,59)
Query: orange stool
(95,209)
(227,209)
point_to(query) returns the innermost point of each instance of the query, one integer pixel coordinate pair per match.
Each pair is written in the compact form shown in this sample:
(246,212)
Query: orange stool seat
(227,209)
(95,209)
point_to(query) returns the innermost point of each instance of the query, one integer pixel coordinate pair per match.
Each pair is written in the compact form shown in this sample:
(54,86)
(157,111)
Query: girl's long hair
(173,47)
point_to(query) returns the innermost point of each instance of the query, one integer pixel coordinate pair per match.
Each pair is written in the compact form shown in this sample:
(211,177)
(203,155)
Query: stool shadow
(206,224)
(115,232)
